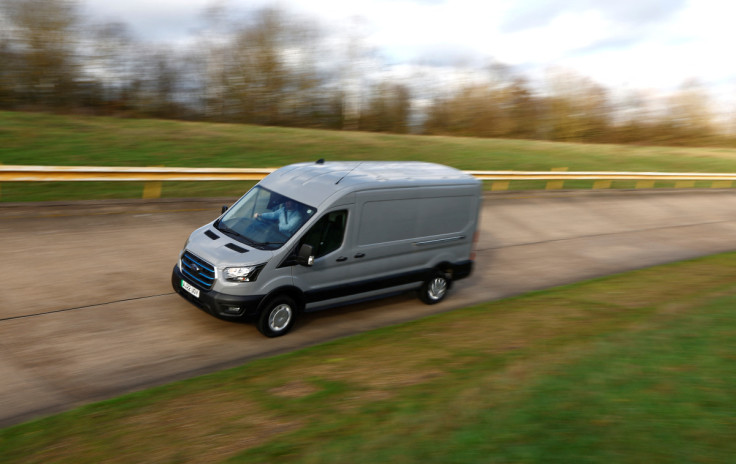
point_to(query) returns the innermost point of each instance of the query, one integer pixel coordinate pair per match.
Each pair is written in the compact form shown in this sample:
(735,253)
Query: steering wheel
(271,226)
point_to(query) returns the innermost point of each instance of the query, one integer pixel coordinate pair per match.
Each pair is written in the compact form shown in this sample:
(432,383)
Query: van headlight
(242,273)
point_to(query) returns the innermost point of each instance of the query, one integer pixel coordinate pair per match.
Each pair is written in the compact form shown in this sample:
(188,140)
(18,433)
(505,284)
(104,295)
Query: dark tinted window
(327,234)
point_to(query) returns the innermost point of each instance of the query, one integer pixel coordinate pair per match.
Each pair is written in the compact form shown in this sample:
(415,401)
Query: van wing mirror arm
(305,255)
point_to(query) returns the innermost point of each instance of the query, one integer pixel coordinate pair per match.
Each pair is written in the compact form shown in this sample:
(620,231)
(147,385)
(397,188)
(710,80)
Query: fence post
(556,184)
(602,184)
(644,184)
(498,185)
(152,189)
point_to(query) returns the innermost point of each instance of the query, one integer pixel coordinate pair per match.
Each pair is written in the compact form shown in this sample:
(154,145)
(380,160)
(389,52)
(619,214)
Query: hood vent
(212,235)
(234,247)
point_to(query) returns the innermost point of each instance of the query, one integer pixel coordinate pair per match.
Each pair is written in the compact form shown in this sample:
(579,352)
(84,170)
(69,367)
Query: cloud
(441,54)
(429,2)
(534,14)
(164,20)
(553,31)
(161,20)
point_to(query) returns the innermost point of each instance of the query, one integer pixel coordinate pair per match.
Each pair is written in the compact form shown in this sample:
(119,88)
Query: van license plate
(190,289)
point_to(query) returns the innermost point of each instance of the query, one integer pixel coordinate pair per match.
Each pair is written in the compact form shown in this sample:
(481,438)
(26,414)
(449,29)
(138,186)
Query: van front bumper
(216,303)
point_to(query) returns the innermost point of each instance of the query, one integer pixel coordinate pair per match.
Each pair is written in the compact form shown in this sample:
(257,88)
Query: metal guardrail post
(152,189)
(556,184)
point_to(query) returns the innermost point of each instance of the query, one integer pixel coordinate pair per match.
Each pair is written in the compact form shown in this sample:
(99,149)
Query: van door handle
(341,259)
(360,255)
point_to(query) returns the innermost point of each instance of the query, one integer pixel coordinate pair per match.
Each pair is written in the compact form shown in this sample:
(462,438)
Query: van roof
(313,183)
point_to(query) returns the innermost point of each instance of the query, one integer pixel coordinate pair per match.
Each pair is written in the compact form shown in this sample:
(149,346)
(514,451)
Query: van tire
(435,289)
(277,316)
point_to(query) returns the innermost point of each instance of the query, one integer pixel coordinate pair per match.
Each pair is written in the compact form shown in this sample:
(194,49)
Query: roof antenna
(348,173)
(320,161)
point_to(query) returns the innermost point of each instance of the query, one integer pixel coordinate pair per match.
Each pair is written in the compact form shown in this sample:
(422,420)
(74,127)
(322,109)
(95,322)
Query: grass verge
(42,139)
(636,367)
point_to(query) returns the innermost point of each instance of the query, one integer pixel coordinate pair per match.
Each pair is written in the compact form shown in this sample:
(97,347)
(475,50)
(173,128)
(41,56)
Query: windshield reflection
(264,219)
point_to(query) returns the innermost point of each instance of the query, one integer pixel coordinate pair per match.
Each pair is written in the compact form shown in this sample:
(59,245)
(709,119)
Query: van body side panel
(414,230)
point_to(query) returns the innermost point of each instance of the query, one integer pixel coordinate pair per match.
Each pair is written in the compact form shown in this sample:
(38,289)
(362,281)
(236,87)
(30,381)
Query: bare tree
(111,60)
(388,109)
(268,74)
(577,109)
(523,111)
(43,43)
(689,115)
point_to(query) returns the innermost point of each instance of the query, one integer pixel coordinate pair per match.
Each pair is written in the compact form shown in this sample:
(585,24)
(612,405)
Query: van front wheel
(277,317)
(434,289)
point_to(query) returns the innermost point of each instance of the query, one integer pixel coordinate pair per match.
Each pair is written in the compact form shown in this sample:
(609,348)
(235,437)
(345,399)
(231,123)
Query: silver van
(316,235)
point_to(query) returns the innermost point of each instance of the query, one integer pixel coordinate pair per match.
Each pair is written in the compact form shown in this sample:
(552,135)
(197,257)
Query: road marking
(94,305)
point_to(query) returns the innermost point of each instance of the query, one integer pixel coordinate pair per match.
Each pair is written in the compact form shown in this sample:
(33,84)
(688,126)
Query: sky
(652,45)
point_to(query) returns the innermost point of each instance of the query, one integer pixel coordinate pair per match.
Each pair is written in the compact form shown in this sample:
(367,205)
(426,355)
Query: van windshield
(264,219)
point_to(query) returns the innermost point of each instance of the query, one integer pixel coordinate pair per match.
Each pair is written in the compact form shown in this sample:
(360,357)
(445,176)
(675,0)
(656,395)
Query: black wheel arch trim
(288,290)
(455,271)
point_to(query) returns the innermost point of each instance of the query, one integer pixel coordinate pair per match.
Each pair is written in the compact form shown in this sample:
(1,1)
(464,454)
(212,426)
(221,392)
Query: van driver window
(327,234)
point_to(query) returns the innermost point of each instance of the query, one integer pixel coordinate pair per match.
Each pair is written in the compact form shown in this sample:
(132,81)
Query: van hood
(222,251)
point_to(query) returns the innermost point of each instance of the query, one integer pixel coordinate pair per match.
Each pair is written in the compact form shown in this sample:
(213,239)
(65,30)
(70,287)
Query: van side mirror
(305,256)
(224,208)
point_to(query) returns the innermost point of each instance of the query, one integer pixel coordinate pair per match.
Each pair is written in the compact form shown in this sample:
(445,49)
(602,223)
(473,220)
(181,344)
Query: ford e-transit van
(313,235)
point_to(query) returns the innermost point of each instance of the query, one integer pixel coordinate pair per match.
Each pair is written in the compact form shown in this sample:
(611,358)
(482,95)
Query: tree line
(271,67)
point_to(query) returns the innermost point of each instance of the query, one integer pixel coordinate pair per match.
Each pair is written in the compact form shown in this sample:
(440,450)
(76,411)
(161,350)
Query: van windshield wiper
(223,228)
(265,244)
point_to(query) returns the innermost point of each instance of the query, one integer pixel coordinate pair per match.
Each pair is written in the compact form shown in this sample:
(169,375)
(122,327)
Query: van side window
(327,234)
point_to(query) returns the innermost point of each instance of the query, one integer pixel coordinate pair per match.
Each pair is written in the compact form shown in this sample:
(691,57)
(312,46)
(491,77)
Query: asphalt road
(87,311)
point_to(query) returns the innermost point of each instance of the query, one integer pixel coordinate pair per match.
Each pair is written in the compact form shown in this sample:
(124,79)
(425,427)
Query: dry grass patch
(203,427)
(294,389)
(207,426)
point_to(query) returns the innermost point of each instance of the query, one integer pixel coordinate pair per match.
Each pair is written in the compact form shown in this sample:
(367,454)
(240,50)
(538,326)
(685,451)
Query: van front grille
(198,270)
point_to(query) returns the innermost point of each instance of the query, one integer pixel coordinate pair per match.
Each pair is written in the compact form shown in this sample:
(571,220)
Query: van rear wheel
(277,317)
(434,289)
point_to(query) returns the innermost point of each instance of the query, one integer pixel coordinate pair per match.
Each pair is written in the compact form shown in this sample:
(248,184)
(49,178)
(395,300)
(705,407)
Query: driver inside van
(288,217)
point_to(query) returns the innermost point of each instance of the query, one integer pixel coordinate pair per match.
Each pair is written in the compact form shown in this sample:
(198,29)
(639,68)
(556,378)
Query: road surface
(87,311)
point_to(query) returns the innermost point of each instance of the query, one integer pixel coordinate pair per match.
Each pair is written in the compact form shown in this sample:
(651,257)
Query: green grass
(42,139)
(637,367)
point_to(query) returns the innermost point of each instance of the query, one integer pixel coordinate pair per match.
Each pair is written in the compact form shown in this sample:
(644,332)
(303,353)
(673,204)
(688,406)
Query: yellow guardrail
(153,176)
(10,173)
